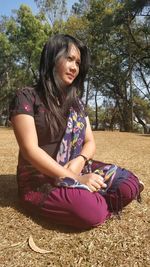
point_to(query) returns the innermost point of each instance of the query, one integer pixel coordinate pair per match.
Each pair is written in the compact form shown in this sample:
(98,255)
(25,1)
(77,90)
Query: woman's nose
(73,66)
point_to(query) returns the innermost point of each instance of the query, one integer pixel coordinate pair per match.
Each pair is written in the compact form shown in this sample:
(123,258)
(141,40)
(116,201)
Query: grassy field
(117,243)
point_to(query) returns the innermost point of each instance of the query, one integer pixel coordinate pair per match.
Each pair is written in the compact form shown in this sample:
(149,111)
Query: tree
(53,10)
(28,33)
(142,112)
(6,67)
(22,37)
(81,7)
(115,52)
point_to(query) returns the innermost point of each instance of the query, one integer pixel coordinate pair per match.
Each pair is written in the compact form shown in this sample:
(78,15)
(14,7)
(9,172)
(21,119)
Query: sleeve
(22,103)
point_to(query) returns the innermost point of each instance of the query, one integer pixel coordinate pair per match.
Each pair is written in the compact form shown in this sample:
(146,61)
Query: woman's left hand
(75,165)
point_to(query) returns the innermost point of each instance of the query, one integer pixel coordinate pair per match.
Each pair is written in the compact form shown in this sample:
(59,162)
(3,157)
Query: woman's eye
(69,59)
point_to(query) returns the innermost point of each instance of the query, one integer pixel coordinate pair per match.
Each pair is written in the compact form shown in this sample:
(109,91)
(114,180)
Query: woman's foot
(141,186)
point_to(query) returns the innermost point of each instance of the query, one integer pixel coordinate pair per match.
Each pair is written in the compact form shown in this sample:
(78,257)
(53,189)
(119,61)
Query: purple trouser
(82,209)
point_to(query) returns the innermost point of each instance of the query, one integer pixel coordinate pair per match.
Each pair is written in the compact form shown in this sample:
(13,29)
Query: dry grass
(121,243)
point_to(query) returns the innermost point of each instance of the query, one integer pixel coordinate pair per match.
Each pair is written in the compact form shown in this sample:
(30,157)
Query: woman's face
(67,67)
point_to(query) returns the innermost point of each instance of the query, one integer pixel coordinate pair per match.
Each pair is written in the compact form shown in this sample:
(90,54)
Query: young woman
(56,175)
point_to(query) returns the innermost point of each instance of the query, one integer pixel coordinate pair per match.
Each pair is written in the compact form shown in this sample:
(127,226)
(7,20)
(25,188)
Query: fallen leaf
(35,248)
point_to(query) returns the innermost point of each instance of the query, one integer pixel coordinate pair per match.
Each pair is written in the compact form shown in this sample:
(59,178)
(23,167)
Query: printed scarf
(71,146)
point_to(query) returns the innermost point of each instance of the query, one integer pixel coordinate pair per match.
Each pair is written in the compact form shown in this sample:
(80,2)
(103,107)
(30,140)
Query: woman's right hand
(93,181)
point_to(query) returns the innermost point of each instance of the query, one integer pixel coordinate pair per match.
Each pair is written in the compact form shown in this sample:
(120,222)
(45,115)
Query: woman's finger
(100,182)
(92,188)
(96,185)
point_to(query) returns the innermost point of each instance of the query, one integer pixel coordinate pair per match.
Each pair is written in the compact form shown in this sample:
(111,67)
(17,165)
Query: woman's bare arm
(26,135)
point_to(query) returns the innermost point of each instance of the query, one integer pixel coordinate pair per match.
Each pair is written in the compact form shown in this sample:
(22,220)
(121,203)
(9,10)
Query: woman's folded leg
(123,194)
(80,208)
(71,206)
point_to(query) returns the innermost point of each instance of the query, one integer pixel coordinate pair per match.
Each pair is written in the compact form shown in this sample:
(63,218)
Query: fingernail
(105,185)
(102,179)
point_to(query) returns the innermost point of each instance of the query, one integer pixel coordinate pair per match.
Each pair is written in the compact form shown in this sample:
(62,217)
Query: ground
(117,243)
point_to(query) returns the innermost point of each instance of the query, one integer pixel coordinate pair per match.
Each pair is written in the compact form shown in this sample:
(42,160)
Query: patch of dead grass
(121,243)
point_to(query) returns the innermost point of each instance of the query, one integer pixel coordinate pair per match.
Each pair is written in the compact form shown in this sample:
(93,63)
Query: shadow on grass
(9,198)
(8,191)
(145,135)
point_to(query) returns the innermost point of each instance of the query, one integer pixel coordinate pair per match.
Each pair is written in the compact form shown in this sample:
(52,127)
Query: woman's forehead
(74,50)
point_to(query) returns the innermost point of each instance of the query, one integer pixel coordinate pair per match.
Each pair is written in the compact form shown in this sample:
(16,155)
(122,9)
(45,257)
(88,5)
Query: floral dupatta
(71,146)
(73,139)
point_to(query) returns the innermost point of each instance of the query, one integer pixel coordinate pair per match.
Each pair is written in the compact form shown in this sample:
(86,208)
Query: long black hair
(56,99)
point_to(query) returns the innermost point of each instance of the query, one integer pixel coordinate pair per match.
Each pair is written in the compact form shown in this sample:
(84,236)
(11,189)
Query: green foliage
(77,27)
(28,33)
(21,39)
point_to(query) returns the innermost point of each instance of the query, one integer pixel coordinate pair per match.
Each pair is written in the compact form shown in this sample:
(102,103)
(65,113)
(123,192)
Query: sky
(6,6)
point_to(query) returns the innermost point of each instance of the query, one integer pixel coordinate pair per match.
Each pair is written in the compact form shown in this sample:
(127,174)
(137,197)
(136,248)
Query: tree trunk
(96,111)
(125,114)
(87,92)
(143,124)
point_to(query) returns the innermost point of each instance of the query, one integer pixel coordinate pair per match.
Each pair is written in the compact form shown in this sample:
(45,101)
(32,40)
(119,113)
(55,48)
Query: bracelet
(84,157)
